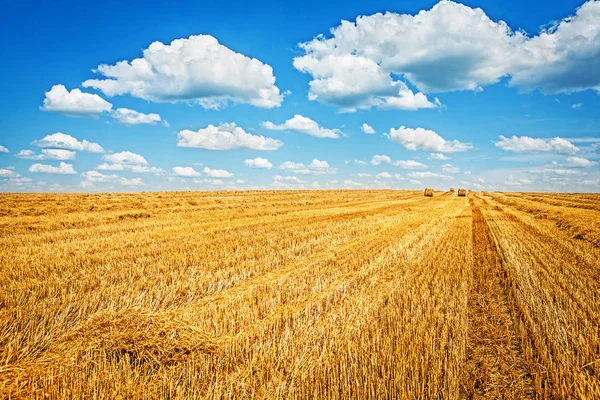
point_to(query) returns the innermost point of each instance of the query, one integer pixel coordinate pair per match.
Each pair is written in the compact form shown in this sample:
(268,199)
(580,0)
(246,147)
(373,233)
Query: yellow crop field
(300,295)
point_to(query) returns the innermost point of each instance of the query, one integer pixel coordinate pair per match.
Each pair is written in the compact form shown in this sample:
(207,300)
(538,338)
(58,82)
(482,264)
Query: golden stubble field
(314,295)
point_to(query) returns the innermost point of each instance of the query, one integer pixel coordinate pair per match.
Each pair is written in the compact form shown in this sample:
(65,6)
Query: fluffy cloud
(217,173)
(360,162)
(289,179)
(437,156)
(5,172)
(450,169)
(303,124)
(259,162)
(527,144)
(198,68)
(126,116)
(410,164)
(429,175)
(368,129)
(47,154)
(125,157)
(384,175)
(380,159)
(64,141)
(424,139)
(93,177)
(139,169)
(511,181)
(74,103)
(449,47)
(3,149)
(62,169)
(187,172)
(580,162)
(225,137)
(316,167)
(577,106)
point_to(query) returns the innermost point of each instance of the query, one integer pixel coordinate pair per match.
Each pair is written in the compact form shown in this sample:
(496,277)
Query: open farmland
(314,294)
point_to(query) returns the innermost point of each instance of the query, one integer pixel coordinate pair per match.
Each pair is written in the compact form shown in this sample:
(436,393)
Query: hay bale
(451,190)
(462,192)
(428,192)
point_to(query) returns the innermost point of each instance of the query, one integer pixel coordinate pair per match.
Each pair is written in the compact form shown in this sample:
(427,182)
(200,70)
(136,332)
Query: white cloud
(449,47)
(62,169)
(424,139)
(316,167)
(98,177)
(289,179)
(198,68)
(74,103)
(415,182)
(384,175)
(429,175)
(467,172)
(580,162)
(410,164)
(47,154)
(126,116)
(527,144)
(5,172)
(217,173)
(132,182)
(368,129)
(351,183)
(437,156)
(139,169)
(303,124)
(186,172)
(125,157)
(64,141)
(364,175)
(259,163)
(4,150)
(450,169)
(511,181)
(360,162)
(577,106)
(380,159)
(225,137)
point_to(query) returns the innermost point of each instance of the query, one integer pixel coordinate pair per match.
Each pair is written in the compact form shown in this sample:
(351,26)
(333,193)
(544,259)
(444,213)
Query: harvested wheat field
(300,294)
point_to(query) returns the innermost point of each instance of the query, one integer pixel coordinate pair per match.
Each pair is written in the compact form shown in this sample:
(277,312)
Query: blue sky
(282,95)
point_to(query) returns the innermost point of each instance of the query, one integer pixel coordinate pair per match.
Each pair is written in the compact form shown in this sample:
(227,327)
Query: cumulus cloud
(360,162)
(303,124)
(187,172)
(5,172)
(198,69)
(316,167)
(125,157)
(217,173)
(450,169)
(47,154)
(577,106)
(521,144)
(410,164)
(368,129)
(428,174)
(74,103)
(384,175)
(126,116)
(380,159)
(449,47)
(3,149)
(424,139)
(580,162)
(511,181)
(139,169)
(62,169)
(437,156)
(63,141)
(259,163)
(225,137)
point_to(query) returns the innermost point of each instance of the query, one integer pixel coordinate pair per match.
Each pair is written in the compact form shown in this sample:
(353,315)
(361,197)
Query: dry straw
(428,192)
